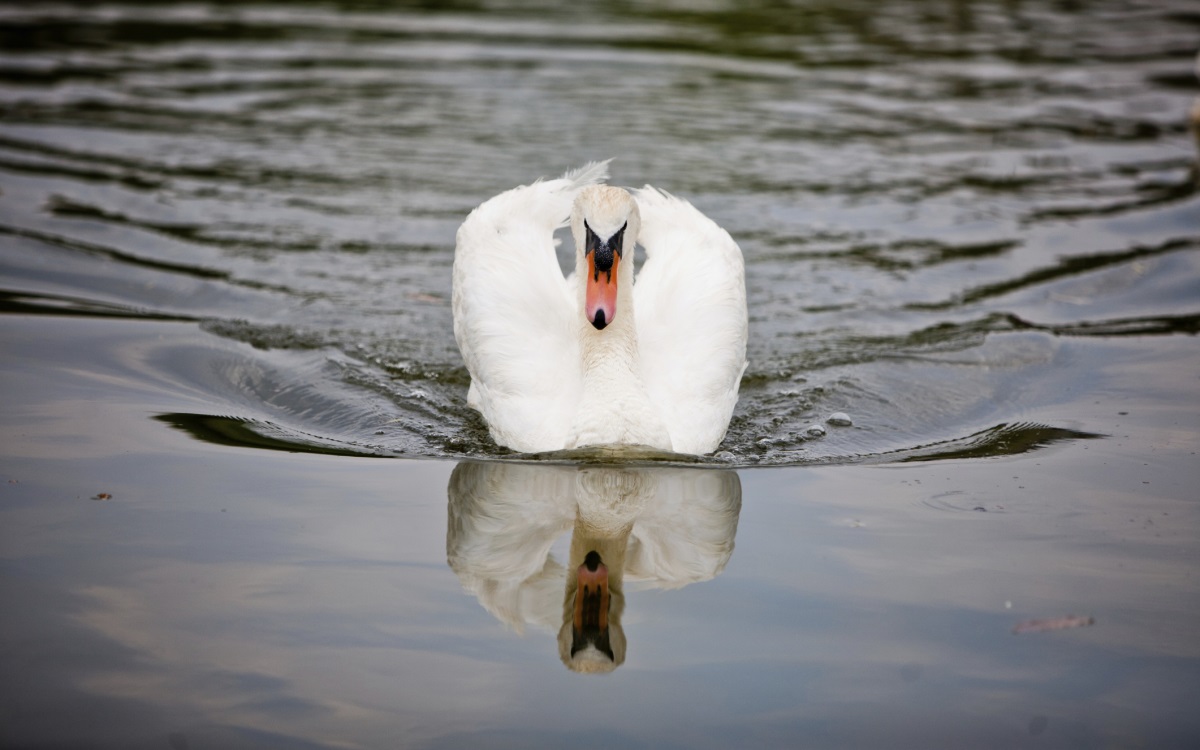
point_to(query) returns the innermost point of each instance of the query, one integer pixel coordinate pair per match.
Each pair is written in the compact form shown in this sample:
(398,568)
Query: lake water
(243,502)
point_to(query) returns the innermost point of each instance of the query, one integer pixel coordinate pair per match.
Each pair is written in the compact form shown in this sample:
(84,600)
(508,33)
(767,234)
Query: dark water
(226,233)
(934,200)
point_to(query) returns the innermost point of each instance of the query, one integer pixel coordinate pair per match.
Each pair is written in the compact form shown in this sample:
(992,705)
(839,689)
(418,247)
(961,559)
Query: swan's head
(605,223)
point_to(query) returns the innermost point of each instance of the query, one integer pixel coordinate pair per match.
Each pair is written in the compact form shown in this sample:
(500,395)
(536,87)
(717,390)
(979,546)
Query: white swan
(595,358)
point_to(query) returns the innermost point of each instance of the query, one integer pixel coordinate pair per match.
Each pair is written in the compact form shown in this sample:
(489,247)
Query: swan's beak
(603,259)
(601,292)
(590,625)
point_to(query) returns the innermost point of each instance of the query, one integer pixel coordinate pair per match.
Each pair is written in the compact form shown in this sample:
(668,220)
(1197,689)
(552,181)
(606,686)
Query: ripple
(935,210)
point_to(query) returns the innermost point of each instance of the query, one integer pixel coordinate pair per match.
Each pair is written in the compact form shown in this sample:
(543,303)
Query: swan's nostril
(599,321)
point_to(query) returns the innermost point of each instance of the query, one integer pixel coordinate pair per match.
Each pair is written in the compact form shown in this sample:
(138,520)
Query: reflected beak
(590,625)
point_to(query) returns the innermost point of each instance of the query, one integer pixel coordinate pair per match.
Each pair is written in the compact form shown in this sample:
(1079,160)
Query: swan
(599,358)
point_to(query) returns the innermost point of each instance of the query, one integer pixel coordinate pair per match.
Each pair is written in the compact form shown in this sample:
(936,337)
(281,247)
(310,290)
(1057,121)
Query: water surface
(226,234)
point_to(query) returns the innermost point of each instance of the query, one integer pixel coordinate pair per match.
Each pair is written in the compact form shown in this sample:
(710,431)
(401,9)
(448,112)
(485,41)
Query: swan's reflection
(665,527)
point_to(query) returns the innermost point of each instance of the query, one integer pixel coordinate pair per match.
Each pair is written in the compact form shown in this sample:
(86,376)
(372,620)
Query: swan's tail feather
(589,174)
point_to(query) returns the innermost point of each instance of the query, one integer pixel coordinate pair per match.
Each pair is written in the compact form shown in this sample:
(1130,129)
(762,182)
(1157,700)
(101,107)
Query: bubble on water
(839,419)
(724,456)
(814,431)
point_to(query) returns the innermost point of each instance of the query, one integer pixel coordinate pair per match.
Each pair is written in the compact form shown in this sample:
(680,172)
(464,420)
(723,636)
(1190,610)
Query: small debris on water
(102,496)
(839,419)
(1053,623)
(425,297)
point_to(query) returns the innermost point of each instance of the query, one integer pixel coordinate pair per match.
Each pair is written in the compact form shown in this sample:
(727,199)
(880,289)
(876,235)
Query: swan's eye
(590,240)
(617,241)
(604,249)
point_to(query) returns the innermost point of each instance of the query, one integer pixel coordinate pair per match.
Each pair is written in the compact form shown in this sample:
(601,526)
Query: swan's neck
(610,356)
(615,407)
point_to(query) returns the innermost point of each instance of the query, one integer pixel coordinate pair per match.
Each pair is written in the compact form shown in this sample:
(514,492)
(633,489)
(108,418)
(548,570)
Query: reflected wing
(686,534)
(512,312)
(503,519)
(690,302)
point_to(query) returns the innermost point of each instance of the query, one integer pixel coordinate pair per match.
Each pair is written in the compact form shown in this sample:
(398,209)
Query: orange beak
(601,300)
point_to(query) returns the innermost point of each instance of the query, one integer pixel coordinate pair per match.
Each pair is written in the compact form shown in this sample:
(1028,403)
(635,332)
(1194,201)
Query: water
(226,234)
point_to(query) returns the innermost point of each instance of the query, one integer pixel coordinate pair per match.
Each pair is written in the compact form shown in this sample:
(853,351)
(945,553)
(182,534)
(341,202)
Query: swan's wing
(690,303)
(513,312)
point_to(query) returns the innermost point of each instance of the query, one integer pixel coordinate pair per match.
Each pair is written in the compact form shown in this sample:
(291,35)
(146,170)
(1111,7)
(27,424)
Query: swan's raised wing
(513,312)
(690,303)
